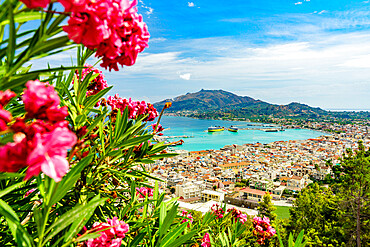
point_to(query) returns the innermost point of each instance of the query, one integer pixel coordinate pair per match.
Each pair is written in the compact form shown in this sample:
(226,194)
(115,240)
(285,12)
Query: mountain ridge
(224,102)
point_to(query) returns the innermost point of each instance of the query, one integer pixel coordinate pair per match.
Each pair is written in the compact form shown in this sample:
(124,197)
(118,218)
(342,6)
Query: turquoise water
(202,140)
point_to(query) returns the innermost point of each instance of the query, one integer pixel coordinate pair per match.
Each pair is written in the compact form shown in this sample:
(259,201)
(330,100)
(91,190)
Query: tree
(266,208)
(316,211)
(354,193)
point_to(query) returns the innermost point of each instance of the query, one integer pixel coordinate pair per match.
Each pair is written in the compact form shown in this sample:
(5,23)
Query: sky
(315,52)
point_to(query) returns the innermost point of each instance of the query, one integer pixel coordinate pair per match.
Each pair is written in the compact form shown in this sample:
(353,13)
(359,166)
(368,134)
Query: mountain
(220,103)
(206,100)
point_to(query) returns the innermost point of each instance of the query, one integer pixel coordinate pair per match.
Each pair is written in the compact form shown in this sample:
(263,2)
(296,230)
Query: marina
(195,136)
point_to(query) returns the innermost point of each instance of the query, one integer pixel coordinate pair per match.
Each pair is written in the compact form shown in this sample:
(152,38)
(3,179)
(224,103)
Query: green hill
(210,103)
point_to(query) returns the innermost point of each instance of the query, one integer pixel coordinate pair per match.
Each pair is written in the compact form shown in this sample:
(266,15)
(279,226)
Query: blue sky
(309,51)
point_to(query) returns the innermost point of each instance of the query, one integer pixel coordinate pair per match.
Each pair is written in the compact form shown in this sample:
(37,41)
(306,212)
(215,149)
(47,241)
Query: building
(295,183)
(208,195)
(251,194)
(187,190)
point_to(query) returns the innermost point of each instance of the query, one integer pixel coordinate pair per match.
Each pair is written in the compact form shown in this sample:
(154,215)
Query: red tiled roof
(253,191)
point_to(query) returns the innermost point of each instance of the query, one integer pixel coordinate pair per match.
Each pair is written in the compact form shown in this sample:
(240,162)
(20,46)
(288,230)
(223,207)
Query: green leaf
(181,240)
(172,235)
(19,233)
(162,213)
(50,45)
(68,218)
(299,239)
(92,100)
(89,236)
(166,222)
(290,240)
(6,176)
(135,141)
(136,241)
(12,37)
(11,188)
(70,179)
(23,17)
(279,237)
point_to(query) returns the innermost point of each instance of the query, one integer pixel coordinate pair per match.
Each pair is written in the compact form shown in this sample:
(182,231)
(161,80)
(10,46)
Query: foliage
(354,195)
(316,211)
(297,243)
(266,208)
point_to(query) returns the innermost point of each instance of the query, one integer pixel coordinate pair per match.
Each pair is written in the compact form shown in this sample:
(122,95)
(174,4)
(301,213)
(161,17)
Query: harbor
(195,136)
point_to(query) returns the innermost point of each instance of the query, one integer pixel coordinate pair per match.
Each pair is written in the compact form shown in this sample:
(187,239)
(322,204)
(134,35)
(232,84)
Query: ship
(215,129)
(233,129)
(270,130)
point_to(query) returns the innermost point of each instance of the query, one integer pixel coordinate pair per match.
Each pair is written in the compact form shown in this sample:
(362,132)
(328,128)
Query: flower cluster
(218,211)
(5,116)
(237,214)
(112,27)
(188,217)
(135,108)
(157,129)
(41,143)
(112,236)
(262,229)
(36,3)
(97,84)
(143,191)
(206,241)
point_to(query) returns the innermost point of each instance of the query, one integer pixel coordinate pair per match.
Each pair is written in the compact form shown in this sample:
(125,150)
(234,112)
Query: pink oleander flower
(257,220)
(5,118)
(32,4)
(41,101)
(157,129)
(13,155)
(135,108)
(206,242)
(112,27)
(28,193)
(262,229)
(237,214)
(217,211)
(188,217)
(143,191)
(266,220)
(49,153)
(97,84)
(112,236)
(6,96)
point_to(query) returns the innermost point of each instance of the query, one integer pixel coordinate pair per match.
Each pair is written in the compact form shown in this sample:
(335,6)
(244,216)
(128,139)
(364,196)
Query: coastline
(197,137)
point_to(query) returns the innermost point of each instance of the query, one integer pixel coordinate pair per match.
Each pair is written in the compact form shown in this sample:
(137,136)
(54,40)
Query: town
(239,175)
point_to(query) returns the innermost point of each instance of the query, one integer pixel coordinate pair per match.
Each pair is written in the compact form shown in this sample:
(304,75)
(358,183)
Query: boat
(215,129)
(233,129)
(271,130)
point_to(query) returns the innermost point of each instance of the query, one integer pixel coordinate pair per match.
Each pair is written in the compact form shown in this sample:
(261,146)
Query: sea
(195,136)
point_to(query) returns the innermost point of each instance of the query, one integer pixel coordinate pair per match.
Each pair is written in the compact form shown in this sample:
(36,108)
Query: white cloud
(150,11)
(294,71)
(191,4)
(322,12)
(297,3)
(185,76)
(157,40)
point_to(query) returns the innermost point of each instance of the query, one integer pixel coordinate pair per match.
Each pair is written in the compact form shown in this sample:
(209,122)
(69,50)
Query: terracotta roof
(253,191)
(296,178)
